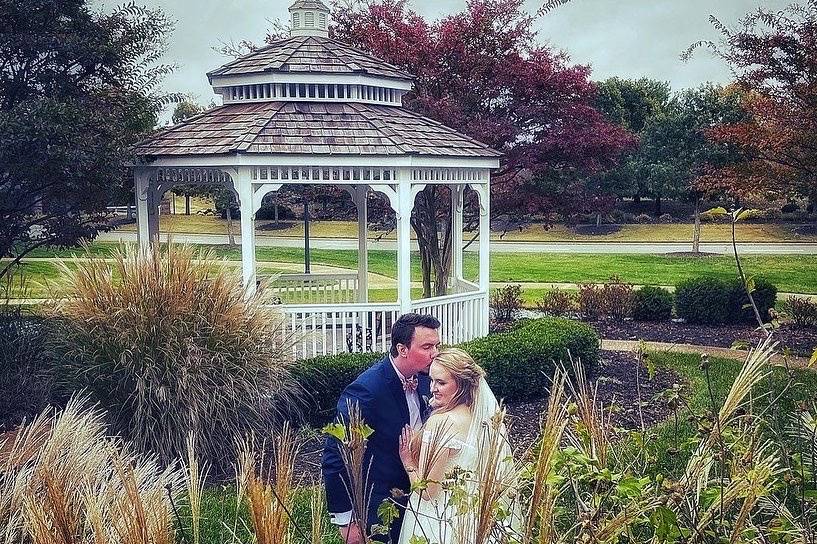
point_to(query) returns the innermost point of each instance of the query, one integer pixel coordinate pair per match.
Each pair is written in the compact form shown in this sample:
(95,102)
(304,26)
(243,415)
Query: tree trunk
(696,230)
(434,244)
(129,215)
(657,205)
(598,220)
(186,204)
(230,237)
(275,213)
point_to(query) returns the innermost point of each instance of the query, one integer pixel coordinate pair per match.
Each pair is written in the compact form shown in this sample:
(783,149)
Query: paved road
(496,246)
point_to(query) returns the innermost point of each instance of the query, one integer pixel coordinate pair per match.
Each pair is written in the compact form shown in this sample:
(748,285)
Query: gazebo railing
(460,315)
(463,286)
(329,329)
(335,288)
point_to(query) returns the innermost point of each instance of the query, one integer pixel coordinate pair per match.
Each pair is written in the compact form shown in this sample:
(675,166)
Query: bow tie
(409,384)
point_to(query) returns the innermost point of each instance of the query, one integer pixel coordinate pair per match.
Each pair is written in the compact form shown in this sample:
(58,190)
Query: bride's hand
(404,449)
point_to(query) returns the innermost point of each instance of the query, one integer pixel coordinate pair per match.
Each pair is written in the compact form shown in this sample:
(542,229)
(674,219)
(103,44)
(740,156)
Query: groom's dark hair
(402,332)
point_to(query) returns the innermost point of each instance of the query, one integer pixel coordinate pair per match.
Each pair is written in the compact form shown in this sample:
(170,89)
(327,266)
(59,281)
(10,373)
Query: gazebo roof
(309,4)
(312,128)
(312,55)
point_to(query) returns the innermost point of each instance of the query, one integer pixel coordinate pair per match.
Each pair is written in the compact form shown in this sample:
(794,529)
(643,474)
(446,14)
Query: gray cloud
(626,38)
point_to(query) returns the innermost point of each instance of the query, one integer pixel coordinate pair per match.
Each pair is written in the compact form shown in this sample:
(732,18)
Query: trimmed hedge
(325,377)
(764,295)
(702,301)
(520,363)
(711,301)
(652,303)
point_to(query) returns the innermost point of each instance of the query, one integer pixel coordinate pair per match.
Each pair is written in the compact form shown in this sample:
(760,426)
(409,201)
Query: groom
(390,394)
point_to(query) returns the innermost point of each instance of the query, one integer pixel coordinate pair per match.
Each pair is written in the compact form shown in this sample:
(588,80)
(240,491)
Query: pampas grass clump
(64,481)
(170,347)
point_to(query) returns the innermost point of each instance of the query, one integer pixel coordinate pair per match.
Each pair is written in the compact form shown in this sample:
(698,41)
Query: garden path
(725,353)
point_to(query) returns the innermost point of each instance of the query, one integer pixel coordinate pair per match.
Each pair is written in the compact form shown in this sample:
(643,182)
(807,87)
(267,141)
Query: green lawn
(660,232)
(722,374)
(791,273)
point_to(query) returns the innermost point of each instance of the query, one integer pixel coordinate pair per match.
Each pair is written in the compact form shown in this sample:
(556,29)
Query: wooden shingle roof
(312,128)
(310,54)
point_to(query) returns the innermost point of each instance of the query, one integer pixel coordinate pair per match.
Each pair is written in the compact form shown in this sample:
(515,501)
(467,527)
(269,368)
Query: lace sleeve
(446,441)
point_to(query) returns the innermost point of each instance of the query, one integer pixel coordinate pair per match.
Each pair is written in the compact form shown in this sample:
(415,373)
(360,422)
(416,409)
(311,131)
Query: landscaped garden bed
(799,341)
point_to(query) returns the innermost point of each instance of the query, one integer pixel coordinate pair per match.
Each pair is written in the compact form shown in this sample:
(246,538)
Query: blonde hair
(466,373)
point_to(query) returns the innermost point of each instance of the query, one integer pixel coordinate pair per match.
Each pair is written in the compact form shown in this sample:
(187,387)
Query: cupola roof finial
(309,18)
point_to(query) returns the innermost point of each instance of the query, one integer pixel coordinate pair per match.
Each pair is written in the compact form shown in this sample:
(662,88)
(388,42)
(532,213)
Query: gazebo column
(243,186)
(483,189)
(361,194)
(457,192)
(404,207)
(147,216)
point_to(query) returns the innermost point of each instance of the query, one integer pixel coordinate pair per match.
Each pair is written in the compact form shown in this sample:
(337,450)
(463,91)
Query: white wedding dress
(451,518)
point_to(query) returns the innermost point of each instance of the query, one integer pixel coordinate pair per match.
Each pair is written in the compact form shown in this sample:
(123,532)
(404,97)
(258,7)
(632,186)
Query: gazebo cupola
(309,18)
(310,67)
(312,110)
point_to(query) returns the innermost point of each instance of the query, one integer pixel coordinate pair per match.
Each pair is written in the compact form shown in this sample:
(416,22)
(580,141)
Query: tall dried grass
(64,481)
(170,345)
(269,488)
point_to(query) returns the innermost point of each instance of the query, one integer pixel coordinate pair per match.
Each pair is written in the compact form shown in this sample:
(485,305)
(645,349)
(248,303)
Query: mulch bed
(617,382)
(801,341)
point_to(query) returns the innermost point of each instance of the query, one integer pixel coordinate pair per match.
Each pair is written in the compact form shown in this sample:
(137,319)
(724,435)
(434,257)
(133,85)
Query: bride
(460,463)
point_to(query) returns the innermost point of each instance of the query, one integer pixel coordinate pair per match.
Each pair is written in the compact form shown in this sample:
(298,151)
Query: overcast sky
(626,38)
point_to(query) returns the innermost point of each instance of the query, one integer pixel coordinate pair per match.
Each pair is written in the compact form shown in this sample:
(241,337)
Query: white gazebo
(313,110)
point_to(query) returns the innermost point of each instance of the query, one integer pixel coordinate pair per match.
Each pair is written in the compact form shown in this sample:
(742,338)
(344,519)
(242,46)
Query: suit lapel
(396,388)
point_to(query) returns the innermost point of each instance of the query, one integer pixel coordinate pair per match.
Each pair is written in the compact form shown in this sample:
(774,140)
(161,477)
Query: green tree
(631,104)
(675,149)
(77,88)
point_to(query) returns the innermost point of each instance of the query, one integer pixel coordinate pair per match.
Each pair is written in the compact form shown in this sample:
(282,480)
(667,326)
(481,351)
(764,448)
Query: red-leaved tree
(482,72)
(773,56)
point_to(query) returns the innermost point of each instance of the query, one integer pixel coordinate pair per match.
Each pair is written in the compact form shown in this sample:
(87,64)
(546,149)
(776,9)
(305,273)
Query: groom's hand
(351,534)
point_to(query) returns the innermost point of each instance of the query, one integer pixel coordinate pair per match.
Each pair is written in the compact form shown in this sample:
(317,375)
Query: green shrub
(169,346)
(712,301)
(24,381)
(764,295)
(520,363)
(652,303)
(703,301)
(325,377)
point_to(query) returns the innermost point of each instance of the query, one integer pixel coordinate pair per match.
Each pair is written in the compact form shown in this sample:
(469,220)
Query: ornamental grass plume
(63,480)
(171,346)
(540,514)
(269,489)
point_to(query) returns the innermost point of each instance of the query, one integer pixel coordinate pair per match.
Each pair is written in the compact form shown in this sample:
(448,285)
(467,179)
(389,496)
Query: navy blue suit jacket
(379,393)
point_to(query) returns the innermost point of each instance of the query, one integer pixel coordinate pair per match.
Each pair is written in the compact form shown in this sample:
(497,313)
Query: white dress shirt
(412,401)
